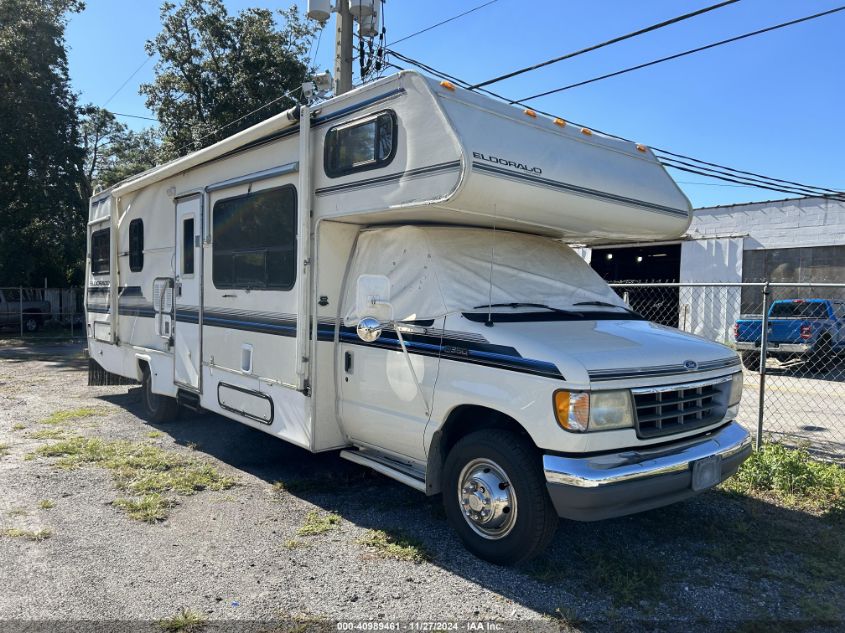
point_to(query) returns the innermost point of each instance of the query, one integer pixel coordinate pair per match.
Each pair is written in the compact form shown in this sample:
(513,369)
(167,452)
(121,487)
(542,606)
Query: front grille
(680,408)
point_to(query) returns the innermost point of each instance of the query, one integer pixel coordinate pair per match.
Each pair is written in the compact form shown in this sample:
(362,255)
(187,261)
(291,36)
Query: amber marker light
(586,131)
(560,122)
(531,113)
(641,148)
(572,410)
(448,85)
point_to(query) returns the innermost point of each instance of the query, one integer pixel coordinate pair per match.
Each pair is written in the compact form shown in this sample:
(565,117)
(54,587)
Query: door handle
(347,362)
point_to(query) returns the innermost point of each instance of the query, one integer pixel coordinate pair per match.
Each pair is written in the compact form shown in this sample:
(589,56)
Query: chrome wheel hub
(487,498)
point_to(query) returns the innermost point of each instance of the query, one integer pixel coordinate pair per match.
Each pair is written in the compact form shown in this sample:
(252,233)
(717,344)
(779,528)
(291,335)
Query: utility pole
(343,49)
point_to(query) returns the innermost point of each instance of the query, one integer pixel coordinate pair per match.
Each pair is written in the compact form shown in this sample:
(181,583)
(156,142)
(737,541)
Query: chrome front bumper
(604,486)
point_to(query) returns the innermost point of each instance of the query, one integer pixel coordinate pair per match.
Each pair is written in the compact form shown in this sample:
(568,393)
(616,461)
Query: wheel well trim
(444,437)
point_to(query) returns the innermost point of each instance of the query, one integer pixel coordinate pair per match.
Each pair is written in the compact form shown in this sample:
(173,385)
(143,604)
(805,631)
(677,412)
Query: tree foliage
(113,152)
(214,68)
(42,210)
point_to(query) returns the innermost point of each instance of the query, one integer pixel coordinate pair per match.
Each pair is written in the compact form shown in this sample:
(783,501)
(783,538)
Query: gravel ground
(718,562)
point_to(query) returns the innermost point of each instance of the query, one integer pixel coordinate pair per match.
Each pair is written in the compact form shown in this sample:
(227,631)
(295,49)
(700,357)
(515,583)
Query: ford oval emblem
(690,364)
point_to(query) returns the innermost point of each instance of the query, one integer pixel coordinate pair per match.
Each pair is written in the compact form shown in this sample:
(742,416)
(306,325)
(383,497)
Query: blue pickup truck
(811,329)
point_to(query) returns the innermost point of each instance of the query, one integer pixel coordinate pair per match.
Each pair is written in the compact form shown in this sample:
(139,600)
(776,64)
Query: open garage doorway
(643,264)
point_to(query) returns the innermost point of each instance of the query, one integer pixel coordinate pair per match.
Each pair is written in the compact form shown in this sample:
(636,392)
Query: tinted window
(136,245)
(254,240)
(188,246)
(799,310)
(100,250)
(365,144)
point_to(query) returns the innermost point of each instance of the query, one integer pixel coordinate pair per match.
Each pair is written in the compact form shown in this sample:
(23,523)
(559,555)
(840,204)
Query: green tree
(42,210)
(213,69)
(113,152)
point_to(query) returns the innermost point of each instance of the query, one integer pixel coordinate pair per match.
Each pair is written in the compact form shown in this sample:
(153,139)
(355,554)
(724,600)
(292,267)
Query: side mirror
(369,329)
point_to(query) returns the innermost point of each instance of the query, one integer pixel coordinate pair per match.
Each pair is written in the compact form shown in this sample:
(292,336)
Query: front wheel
(157,407)
(495,497)
(31,323)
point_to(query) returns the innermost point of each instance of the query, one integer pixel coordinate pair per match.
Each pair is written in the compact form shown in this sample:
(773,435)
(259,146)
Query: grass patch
(154,434)
(147,472)
(17,512)
(4,450)
(70,415)
(18,427)
(623,576)
(152,508)
(46,504)
(395,546)
(294,544)
(184,620)
(47,434)
(793,478)
(30,535)
(317,523)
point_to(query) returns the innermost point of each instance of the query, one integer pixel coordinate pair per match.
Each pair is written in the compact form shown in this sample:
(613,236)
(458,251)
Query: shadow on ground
(741,557)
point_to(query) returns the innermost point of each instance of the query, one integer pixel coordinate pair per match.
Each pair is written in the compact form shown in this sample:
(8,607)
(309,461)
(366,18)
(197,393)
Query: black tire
(31,323)
(158,408)
(751,360)
(820,358)
(533,521)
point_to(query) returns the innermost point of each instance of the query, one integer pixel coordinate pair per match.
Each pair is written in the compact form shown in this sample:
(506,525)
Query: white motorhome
(386,274)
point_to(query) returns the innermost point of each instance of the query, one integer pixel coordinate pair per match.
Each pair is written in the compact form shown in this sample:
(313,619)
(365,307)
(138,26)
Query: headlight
(593,411)
(736,389)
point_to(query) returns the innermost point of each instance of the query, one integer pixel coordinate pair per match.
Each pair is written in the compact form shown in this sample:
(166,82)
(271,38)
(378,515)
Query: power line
(239,119)
(128,79)
(683,54)
(729,174)
(446,21)
(131,116)
(595,47)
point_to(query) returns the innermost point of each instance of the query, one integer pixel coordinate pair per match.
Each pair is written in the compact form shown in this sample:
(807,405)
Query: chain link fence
(791,338)
(42,313)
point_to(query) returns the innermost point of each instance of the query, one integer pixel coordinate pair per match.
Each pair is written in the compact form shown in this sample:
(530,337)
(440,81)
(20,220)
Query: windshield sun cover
(434,271)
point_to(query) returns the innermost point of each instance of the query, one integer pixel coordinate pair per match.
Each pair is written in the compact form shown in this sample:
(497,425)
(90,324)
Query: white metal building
(798,240)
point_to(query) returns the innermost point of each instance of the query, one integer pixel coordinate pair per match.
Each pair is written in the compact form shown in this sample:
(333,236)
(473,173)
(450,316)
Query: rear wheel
(157,407)
(821,356)
(495,497)
(751,360)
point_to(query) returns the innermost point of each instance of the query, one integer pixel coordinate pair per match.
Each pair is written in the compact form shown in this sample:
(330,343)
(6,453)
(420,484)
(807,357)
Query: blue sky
(771,104)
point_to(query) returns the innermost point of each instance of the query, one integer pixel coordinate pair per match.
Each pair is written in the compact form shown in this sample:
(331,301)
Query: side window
(100,251)
(136,245)
(364,144)
(188,246)
(254,240)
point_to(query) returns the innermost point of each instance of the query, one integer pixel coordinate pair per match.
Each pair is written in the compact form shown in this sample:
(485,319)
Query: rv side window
(136,245)
(364,144)
(188,246)
(100,251)
(254,240)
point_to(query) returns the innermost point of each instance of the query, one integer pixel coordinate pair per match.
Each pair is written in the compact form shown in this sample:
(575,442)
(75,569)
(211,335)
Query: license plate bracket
(706,472)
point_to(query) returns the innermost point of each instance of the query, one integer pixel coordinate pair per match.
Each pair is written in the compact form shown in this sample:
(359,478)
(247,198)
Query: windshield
(799,309)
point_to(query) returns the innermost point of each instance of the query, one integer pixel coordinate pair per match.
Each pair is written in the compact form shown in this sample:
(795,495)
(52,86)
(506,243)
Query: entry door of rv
(187,294)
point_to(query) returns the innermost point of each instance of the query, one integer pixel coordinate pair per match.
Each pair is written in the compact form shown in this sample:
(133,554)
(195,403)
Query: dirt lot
(280,537)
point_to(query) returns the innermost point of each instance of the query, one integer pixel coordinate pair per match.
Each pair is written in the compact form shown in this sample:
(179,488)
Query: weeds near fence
(793,478)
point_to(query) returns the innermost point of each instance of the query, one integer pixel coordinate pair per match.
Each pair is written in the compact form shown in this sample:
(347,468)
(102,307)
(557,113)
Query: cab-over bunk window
(254,240)
(367,143)
(100,251)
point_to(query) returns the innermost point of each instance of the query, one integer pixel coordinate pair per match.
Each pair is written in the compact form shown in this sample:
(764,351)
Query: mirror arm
(411,367)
